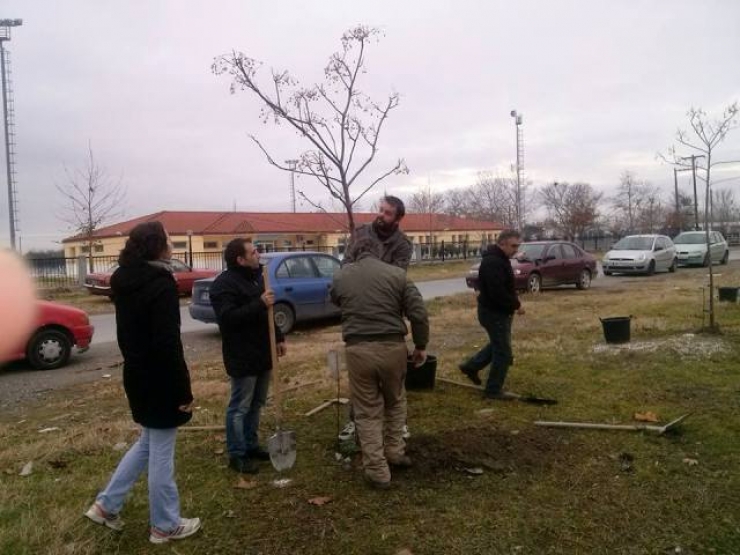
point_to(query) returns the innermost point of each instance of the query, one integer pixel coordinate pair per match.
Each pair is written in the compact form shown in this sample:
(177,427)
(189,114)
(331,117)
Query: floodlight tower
(519,165)
(8,113)
(292,165)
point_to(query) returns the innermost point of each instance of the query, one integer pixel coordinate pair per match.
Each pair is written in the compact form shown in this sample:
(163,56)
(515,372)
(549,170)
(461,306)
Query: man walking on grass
(497,303)
(240,302)
(374,298)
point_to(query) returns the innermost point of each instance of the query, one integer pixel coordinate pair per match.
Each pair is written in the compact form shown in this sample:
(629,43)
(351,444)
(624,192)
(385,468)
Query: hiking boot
(405,434)
(187,527)
(258,453)
(470,373)
(376,484)
(98,515)
(348,432)
(502,396)
(243,465)
(404,461)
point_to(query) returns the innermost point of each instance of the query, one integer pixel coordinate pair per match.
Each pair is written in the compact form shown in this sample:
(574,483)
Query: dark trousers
(497,352)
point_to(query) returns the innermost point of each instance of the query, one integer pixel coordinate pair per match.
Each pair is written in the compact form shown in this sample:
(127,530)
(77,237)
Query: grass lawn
(541,490)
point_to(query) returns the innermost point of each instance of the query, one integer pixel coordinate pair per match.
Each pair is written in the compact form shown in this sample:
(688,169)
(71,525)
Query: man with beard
(396,249)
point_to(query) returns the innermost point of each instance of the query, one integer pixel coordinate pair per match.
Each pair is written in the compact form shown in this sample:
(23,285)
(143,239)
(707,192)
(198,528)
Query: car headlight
(640,257)
(517,272)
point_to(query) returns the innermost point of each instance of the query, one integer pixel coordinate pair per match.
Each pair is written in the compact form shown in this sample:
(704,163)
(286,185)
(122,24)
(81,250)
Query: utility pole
(693,158)
(519,163)
(8,113)
(292,164)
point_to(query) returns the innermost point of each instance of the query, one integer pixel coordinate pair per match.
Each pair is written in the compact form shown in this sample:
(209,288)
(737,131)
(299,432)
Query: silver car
(691,248)
(640,254)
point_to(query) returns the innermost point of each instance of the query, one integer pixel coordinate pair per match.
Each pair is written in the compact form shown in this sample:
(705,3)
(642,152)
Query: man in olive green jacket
(374,297)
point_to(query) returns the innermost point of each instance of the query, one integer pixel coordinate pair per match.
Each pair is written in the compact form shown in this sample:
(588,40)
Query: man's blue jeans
(155,453)
(248,396)
(497,353)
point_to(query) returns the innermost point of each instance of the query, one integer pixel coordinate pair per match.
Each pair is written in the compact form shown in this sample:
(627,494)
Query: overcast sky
(602,86)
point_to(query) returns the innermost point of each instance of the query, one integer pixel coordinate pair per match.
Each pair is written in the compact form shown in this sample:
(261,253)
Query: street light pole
(519,161)
(292,164)
(5,25)
(693,158)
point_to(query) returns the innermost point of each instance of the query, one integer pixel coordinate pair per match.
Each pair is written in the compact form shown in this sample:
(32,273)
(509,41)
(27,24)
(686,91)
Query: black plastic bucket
(616,330)
(729,294)
(423,376)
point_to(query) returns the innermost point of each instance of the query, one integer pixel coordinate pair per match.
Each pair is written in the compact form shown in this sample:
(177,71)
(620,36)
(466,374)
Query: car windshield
(634,244)
(530,251)
(690,239)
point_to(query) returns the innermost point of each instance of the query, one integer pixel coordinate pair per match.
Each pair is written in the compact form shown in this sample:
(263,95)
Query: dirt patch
(688,345)
(487,449)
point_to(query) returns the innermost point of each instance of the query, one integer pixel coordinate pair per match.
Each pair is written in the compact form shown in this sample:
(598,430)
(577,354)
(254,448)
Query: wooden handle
(277,394)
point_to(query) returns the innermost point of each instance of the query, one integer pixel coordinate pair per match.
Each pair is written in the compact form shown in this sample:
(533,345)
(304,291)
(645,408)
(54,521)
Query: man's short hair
(507,234)
(368,245)
(234,249)
(396,203)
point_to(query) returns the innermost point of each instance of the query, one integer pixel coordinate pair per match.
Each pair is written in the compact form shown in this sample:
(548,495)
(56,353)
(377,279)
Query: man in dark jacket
(240,302)
(497,302)
(374,298)
(396,247)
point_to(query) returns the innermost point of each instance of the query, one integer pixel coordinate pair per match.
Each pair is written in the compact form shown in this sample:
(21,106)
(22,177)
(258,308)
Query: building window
(179,244)
(73,251)
(98,248)
(210,244)
(85,249)
(309,242)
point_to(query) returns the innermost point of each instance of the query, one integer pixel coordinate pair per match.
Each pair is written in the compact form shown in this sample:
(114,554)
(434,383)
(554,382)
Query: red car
(99,283)
(545,264)
(58,328)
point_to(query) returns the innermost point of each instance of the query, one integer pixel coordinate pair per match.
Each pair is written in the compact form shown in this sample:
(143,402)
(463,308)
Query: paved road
(19,384)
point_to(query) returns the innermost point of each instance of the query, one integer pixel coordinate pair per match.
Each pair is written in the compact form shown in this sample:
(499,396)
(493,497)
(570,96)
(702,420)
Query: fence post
(81,270)
(443,250)
(465,249)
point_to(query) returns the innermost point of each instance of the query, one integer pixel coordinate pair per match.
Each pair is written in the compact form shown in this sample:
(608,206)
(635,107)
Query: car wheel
(651,268)
(284,317)
(49,349)
(584,280)
(673,266)
(725,258)
(534,283)
(607,273)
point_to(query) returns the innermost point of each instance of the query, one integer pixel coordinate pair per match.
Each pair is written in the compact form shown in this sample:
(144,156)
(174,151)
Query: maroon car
(99,283)
(547,264)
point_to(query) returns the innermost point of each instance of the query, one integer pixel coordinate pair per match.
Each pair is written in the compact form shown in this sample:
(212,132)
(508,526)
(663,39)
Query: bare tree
(426,201)
(91,199)
(628,200)
(493,198)
(705,136)
(572,208)
(724,208)
(341,124)
(456,202)
(651,214)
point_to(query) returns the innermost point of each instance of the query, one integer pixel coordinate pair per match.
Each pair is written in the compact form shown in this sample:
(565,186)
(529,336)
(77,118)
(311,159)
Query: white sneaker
(348,432)
(406,434)
(188,527)
(98,515)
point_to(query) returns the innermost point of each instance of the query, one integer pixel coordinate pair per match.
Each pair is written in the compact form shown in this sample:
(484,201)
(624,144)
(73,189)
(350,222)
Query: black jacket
(155,375)
(242,319)
(496,282)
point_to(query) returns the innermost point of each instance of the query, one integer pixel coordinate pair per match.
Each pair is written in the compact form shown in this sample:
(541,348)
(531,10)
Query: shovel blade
(282,449)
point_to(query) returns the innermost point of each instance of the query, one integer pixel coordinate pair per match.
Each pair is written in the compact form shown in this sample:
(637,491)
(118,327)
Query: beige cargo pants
(377,370)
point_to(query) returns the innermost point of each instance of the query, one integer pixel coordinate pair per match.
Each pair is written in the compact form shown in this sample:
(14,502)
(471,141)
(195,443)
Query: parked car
(58,328)
(640,254)
(691,248)
(301,281)
(99,283)
(547,264)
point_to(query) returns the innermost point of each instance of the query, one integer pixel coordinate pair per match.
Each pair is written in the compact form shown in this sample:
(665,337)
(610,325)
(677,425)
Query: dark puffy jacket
(155,375)
(374,298)
(242,319)
(397,248)
(496,282)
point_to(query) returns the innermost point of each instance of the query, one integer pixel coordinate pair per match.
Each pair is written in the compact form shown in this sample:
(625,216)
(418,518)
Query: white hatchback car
(691,248)
(640,254)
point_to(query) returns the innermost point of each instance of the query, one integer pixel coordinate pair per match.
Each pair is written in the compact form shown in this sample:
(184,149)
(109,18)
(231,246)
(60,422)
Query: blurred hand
(17,299)
(418,357)
(186,408)
(282,348)
(268,297)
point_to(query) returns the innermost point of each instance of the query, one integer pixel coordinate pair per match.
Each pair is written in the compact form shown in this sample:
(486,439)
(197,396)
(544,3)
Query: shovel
(281,445)
(660,430)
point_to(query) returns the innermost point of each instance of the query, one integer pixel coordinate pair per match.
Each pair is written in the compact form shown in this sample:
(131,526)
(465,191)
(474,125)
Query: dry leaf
(219,451)
(647,416)
(405,551)
(27,469)
(474,471)
(246,484)
(319,501)
(690,462)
